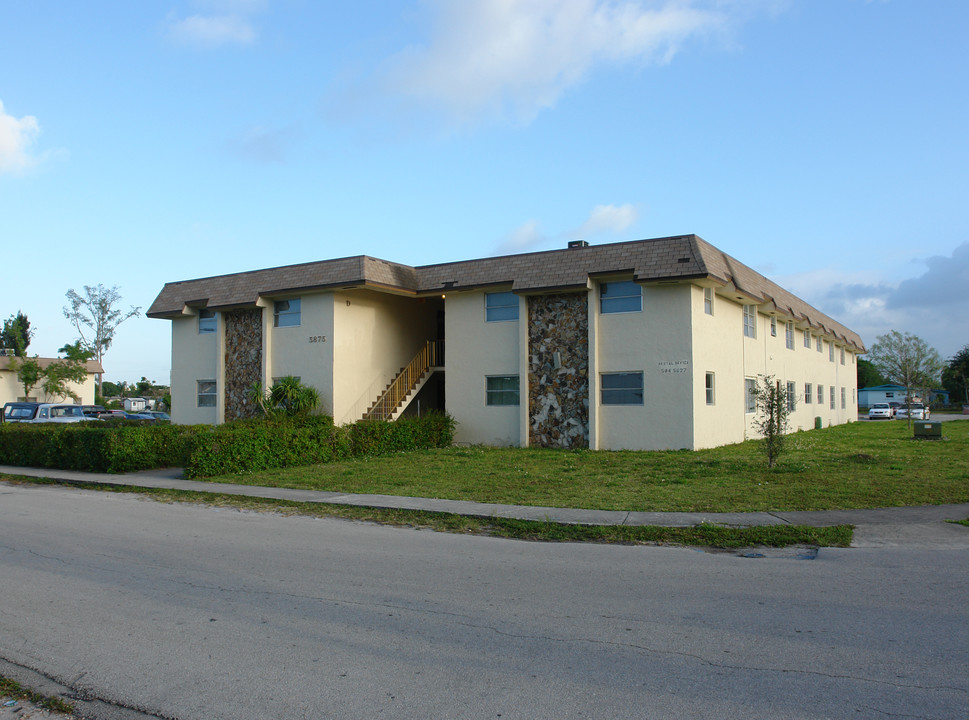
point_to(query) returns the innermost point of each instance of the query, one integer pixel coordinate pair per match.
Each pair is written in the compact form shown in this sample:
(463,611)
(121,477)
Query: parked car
(111,414)
(918,411)
(880,410)
(92,411)
(19,411)
(158,415)
(58,413)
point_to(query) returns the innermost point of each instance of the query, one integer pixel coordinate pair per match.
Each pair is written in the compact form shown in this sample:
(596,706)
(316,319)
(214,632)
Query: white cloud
(515,58)
(16,138)
(602,219)
(607,218)
(212,31)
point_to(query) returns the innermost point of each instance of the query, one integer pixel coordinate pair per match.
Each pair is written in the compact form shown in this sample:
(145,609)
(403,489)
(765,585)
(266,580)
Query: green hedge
(204,451)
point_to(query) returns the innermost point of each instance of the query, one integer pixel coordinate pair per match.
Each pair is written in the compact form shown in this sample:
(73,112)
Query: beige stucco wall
(721,347)
(476,349)
(194,357)
(657,342)
(374,336)
(305,350)
(11,390)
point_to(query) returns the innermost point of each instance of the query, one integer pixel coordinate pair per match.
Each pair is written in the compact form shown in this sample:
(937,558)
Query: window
(789,335)
(889,395)
(286,313)
(750,321)
(831,352)
(622,388)
(842,356)
(831,397)
(807,338)
(817,343)
(206,393)
(501,307)
(620,297)
(750,395)
(501,390)
(207,321)
(711,389)
(807,393)
(773,326)
(843,398)
(791,399)
(708,301)
(820,394)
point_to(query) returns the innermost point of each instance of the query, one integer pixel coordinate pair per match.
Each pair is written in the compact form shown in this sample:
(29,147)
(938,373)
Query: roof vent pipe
(578,243)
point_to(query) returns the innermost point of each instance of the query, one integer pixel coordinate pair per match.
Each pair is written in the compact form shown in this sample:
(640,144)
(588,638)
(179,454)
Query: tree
(868,375)
(773,410)
(97,311)
(286,397)
(58,377)
(16,334)
(955,375)
(29,373)
(906,360)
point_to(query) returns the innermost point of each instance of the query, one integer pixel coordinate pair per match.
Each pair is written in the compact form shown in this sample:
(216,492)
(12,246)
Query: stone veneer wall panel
(558,398)
(243,361)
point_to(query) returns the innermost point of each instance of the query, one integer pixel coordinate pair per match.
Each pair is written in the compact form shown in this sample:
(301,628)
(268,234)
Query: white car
(54,413)
(919,412)
(880,410)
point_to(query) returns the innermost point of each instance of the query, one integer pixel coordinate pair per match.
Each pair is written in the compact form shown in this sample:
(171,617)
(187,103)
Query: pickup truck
(19,411)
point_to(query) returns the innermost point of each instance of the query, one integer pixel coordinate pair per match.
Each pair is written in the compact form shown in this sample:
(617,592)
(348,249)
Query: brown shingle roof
(670,258)
(92,366)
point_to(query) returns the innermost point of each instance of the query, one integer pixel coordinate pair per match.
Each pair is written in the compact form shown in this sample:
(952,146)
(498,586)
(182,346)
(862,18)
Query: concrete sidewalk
(919,525)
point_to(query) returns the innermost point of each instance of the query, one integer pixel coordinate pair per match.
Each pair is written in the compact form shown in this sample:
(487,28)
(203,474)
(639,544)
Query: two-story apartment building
(643,345)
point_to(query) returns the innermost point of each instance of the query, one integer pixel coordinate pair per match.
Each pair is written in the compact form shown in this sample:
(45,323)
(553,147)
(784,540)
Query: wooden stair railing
(431,355)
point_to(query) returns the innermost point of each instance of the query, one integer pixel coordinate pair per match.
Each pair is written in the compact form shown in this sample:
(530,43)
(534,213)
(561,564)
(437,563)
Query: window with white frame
(817,343)
(207,321)
(750,395)
(621,388)
(789,335)
(286,313)
(843,398)
(773,326)
(502,390)
(750,321)
(820,394)
(842,356)
(831,352)
(791,396)
(808,392)
(206,393)
(708,300)
(501,306)
(831,397)
(711,388)
(620,297)
(807,339)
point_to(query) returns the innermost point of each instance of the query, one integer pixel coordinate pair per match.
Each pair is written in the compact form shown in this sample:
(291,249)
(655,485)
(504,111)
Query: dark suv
(19,411)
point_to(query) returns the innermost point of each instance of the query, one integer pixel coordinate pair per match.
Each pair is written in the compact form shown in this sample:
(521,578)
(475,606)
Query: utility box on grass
(928,430)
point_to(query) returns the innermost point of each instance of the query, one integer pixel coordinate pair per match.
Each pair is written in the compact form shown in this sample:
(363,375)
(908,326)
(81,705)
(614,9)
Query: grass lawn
(863,464)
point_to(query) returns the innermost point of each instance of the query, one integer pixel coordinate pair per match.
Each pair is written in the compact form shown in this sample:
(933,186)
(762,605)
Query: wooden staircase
(409,380)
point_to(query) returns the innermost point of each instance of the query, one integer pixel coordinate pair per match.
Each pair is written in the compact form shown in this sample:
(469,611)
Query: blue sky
(822,142)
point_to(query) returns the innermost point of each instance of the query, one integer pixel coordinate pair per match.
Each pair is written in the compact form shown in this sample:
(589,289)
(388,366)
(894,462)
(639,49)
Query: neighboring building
(644,345)
(11,390)
(134,405)
(897,393)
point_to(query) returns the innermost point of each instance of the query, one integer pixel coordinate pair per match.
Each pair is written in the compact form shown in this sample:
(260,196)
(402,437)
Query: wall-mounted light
(348,303)
(556,359)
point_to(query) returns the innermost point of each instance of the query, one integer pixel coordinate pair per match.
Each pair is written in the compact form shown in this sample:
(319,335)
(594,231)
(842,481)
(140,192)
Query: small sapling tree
(773,411)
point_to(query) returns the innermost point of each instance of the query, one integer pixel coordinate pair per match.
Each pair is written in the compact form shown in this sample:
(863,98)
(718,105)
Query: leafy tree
(29,372)
(773,412)
(96,317)
(286,397)
(868,375)
(109,388)
(16,334)
(906,360)
(145,387)
(58,377)
(955,375)
(75,351)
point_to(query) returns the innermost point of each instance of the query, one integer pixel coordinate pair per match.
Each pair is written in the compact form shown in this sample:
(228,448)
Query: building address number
(317,338)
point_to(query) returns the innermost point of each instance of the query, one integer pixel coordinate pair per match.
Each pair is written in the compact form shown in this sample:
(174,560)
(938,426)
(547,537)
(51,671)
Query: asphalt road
(198,613)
